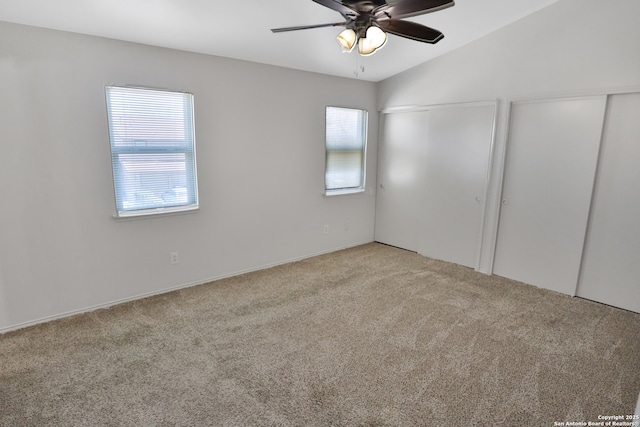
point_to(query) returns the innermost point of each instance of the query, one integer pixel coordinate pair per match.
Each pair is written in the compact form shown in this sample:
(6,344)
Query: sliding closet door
(452,196)
(551,162)
(400,176)
(611,265)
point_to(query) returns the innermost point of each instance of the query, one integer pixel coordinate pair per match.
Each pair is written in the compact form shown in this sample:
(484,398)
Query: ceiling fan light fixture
(347,40)
(375,39)
(364,47)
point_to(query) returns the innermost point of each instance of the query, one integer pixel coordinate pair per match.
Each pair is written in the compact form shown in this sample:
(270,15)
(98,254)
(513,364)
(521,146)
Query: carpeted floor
(368,336)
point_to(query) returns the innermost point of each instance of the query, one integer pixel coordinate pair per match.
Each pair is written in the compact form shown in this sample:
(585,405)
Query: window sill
(155,213)
(344,191)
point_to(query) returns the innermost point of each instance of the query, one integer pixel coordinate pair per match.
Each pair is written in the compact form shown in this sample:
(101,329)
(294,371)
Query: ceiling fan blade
(410,30)
(338,6)
(307,27)
(406,8)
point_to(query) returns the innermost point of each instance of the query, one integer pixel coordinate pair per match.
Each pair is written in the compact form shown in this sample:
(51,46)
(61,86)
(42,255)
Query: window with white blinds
(152,150)
(346,142)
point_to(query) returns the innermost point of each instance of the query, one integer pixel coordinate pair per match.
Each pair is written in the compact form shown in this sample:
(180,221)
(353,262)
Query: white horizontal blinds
(152,148)
(345,148)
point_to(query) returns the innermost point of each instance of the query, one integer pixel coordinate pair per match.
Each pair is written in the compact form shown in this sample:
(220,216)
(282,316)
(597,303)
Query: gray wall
(260,152)
(572,47)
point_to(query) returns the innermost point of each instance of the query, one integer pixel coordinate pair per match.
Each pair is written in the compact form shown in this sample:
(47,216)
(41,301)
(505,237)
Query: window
(346,142)
(152,150)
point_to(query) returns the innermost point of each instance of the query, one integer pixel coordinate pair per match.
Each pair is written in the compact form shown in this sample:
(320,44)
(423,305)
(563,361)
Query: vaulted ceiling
(241,29)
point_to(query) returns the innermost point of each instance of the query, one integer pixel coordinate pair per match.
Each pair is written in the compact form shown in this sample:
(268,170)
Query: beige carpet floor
(368,336)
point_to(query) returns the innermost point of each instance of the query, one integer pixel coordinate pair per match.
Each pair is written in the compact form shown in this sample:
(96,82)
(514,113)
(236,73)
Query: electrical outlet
(174,257)
(326,228)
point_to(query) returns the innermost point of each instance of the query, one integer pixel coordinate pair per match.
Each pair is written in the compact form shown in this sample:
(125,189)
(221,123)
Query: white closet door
(400,175)
(456,164)
(611,265)
(550,169)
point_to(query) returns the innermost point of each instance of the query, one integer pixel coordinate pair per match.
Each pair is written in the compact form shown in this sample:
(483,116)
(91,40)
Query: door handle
(505,202)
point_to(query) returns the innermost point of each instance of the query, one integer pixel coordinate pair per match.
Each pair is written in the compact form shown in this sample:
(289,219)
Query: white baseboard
(46,319)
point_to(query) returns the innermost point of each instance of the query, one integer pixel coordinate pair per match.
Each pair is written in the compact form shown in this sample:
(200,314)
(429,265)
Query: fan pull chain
(359,68)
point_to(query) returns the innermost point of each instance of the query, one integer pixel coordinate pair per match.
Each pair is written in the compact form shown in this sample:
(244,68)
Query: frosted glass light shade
(375,39)
(376,36)
(347,39)
(364,47)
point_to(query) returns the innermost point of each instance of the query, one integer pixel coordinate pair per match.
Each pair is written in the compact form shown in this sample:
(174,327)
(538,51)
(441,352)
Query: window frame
(157,148)
(365,135)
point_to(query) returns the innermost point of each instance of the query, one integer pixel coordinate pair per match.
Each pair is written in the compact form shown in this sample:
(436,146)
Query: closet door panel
(456,164)
(611,265)
(400,177)
(550,168)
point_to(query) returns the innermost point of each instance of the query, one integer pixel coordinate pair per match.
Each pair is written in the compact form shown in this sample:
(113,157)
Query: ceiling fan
(367,22)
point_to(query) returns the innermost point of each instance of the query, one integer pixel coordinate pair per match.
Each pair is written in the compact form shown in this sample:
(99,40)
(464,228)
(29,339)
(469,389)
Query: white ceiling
(241,29)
